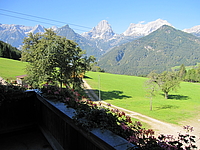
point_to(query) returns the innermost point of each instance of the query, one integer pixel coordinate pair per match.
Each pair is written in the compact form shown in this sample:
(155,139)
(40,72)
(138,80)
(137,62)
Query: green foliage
(10,93)
(53,58)
(159,51)
(192,75)
(182,72)
(7,51)
(167,81)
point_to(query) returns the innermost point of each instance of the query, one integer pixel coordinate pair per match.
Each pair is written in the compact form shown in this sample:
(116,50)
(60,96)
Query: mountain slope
(160,50)
(14,34)
(105,38)
(85,44)
(7,51)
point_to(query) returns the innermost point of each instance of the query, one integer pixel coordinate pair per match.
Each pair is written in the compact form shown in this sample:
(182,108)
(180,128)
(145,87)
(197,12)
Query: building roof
(21,76)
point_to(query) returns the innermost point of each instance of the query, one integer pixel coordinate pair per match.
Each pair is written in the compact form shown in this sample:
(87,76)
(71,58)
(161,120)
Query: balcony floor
(31,139)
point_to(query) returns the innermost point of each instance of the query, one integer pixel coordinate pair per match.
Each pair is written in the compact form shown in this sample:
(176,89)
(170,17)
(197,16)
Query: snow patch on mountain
(102,31)
(194,30)
(144,29)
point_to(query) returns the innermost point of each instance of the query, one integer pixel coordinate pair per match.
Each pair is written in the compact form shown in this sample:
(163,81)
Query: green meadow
(10,68)
(129,92)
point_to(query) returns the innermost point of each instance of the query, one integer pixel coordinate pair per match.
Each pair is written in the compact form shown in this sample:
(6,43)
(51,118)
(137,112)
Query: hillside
(7,51)
(160,50)
(85,44)
(10,68)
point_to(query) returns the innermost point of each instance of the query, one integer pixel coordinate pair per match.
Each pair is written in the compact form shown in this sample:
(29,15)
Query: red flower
(138,123)
(128,119)
(123,113)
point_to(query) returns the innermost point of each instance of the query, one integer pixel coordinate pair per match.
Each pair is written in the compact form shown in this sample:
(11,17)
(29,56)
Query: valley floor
(158,126)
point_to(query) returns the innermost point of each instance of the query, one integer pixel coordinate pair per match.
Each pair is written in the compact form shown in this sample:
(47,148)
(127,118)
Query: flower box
(57,119)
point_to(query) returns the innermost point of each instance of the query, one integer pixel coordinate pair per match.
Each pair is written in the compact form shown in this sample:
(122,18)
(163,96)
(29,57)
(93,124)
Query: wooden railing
(57,125)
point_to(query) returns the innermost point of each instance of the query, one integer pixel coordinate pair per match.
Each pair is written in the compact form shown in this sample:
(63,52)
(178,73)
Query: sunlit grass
(129,92)
(10,68)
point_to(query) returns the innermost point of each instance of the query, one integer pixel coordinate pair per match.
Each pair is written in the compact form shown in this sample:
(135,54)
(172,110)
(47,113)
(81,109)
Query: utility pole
(99,90)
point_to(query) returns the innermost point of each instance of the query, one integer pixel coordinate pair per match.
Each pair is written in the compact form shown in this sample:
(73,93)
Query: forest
(7,51)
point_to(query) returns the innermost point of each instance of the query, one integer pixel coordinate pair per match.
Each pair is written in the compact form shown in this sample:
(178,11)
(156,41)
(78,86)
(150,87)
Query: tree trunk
(151,104)
(166,95)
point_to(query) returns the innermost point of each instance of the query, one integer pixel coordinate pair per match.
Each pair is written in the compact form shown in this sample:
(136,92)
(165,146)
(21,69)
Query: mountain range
(160,51)
(156,45)
(98,41)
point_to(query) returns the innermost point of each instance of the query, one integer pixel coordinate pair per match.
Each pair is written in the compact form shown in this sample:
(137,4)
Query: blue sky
(88,13)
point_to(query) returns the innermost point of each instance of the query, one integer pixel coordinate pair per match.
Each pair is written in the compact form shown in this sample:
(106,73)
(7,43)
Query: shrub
(91,115)
(9,93)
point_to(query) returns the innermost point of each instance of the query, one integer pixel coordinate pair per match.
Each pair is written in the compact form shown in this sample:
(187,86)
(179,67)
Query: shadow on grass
(177,97)
(111,95)
(166,107)
(86,77)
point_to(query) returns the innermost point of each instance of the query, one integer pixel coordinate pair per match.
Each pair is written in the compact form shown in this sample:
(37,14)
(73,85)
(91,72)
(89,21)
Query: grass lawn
(129,92)
(10,68)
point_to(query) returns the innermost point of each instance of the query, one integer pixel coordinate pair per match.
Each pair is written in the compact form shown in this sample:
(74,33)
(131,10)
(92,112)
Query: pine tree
(182,72)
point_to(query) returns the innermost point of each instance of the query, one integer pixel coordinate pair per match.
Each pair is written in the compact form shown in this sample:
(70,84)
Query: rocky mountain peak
(37,28)
(140,29)
(194,30)
(102,31)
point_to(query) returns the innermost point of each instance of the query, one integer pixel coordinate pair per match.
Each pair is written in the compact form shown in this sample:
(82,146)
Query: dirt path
(158,126)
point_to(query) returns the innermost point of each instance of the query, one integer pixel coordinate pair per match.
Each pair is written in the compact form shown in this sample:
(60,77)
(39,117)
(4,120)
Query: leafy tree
(182,72)
(166,81)
(54,58)
(191,75)
(198,74)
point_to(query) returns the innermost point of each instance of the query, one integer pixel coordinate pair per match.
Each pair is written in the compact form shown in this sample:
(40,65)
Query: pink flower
(124,127)
(45,85)
(67,99)
(94,105)
(138,123)
(108,104)
(56,92)
(76,99)
(49,91)
(133,139)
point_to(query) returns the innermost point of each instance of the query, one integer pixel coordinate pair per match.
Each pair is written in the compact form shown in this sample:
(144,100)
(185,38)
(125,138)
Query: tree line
(190,75)
(169,81)
(7,51)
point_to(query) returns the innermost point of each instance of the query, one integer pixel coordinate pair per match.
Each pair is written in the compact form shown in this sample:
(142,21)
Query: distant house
(20,80)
